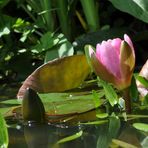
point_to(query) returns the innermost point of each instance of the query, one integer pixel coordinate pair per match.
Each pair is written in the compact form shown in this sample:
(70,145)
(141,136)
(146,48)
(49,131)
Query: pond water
(112,133)
(84,130)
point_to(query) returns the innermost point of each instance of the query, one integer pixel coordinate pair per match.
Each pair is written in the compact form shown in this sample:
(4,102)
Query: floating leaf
(59,107)
(70,138)
(95,122)
(123,144)
(68,103)
(57,75)
(141,126)
(3,133)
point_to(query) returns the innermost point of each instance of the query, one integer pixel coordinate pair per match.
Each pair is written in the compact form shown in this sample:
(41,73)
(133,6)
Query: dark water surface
(36,135)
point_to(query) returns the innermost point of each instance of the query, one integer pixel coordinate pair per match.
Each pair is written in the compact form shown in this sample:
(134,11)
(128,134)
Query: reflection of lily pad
(57,75)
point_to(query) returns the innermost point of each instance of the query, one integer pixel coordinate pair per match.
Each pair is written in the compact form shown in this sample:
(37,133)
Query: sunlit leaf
(64,48)
(68,103)
(103,115)
(95,122)
(143,80)
(123,144)
(141,126)
(3,133)
(57,75)
(70,138)
(97,97)
(47,41)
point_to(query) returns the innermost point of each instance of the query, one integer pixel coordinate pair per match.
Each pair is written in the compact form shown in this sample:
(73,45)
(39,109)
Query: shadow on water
(106,135)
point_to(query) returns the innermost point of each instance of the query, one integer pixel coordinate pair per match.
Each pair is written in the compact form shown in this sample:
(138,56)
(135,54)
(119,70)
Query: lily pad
(57,75)
(67,103)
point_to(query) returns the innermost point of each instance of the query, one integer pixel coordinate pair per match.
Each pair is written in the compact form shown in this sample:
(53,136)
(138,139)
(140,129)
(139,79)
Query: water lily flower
(114,61)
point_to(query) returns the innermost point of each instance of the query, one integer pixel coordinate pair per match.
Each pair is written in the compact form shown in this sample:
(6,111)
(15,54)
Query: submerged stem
(127,98)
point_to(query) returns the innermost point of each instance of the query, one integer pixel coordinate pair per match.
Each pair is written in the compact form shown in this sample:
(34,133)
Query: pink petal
(98,52)
(110,58)
(116,44)
(128,40)
(91,51)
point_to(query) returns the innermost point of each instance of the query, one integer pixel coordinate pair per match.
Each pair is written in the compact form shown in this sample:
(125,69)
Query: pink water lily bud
(114,61)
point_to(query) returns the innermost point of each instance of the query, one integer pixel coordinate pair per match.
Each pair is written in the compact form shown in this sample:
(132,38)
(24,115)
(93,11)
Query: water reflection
(94,136)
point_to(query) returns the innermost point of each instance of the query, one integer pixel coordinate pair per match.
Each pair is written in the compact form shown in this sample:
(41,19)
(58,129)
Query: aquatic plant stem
(127,98)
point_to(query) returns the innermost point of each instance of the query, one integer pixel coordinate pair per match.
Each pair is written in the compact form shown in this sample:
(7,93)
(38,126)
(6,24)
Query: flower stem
(127,98)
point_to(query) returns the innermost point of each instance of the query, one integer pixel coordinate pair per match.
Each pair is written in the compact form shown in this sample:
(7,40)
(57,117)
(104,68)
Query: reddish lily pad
(57,75)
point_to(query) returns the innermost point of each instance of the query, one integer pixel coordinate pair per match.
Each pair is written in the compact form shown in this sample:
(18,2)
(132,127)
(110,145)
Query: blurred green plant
(3,133)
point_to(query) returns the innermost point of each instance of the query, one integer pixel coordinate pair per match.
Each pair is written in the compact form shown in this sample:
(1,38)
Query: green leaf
(3,133)
(47,41)
(68,103)
(64,48)
(3,3)
(5,106)
(142,80)
(137,8)
(141,126)
(110,93)
(70,138)
(5,31)
(97,97)
(133,90)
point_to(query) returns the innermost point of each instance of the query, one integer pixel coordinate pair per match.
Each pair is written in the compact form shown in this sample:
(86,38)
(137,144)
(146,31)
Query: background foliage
(33,32)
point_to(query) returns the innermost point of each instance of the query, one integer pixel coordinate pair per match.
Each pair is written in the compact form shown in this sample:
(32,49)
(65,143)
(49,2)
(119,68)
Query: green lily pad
(68,103)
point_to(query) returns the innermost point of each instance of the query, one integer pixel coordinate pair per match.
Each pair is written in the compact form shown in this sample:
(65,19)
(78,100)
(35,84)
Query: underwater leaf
(141,126)
(122,144)
(3,133)
(137,8)
(114,126)
(58,75)
(70,138)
